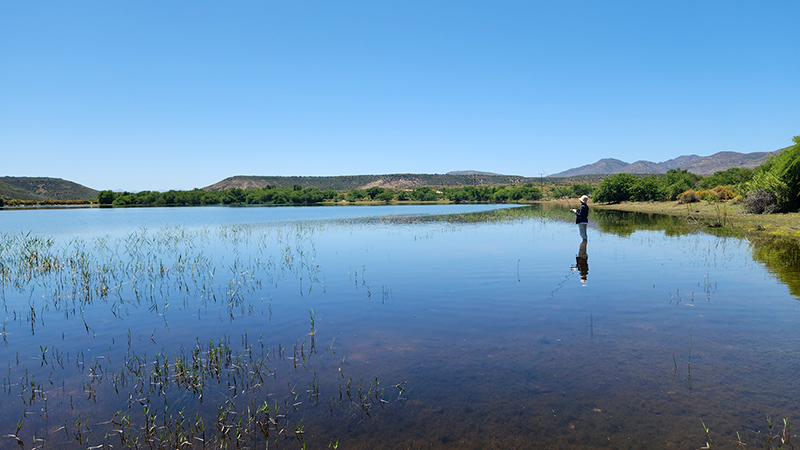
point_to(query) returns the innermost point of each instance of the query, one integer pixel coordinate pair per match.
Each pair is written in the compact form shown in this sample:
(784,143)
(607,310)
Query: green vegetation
(733,176)
(482,194)
(234,196)
(576,190)
(616,188)
(297,195)
(624,187)
(780,178)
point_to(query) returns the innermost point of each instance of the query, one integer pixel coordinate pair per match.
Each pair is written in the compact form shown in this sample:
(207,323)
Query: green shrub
(580,189)
(677,181)
(105,197)
(732,176)
(561,192)
(355,195)
(616,188)
(646,188)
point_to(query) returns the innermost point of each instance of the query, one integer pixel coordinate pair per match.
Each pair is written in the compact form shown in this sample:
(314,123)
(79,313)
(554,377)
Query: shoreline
(725,215)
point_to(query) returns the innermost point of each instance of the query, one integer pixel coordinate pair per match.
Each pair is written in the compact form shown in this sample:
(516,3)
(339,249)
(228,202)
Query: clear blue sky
(156,95)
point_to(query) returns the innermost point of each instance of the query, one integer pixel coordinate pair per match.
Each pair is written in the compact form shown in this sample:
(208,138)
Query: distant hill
(725,160)
(700,165)
(393,181)
(603,166)
(41,188)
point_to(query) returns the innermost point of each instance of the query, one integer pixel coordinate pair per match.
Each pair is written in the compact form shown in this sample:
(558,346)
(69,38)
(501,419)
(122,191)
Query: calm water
(391,327)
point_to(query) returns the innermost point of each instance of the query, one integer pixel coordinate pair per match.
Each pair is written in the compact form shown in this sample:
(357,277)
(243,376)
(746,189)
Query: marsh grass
(126,397)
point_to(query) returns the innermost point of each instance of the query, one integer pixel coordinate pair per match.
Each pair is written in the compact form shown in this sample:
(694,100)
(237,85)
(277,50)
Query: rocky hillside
(394,181)
(42,188)
(701,165)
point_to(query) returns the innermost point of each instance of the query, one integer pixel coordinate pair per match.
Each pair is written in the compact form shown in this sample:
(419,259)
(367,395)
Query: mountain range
(700,165)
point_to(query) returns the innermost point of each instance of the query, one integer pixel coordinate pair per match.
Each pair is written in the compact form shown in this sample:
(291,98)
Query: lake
(427,326)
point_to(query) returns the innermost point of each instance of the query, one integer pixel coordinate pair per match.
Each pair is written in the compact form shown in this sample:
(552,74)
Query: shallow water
(392,327)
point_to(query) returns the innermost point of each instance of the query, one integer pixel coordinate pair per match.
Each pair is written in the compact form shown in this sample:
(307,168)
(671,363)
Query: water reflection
(780,256)
(582,263)
(782,259)
(625,223)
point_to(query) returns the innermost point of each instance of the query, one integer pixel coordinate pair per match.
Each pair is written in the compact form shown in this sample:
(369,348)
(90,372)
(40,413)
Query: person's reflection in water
(582,262)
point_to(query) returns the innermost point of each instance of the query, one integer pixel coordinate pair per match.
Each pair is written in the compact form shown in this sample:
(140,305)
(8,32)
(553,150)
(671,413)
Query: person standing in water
(582,216)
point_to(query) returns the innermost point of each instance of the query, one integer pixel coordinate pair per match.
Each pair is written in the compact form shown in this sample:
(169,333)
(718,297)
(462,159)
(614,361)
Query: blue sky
(153,95)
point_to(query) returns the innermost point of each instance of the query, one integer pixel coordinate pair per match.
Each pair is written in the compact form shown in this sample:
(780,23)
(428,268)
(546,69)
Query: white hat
(584,199)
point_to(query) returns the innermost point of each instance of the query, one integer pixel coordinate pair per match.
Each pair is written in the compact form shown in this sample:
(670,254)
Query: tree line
(676,184)
(298,195)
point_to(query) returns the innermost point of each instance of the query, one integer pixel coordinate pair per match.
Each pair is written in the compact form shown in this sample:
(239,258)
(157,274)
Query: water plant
(152,271)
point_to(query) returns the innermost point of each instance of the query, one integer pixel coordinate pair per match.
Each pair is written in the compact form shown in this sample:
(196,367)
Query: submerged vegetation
(142,389)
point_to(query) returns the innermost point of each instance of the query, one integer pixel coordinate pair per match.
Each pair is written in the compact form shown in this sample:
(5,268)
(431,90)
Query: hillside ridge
(700,165)
(43,188)
(348,182)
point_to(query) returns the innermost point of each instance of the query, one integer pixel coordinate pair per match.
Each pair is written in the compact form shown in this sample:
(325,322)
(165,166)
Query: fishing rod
(562,282)
(554,183)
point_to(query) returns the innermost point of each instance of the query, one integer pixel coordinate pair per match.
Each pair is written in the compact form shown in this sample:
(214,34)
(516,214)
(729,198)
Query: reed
(155,272)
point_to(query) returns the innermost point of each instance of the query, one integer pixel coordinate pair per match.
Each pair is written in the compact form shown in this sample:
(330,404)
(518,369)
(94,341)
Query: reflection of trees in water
(781,257)
(620,223)
(624,223)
